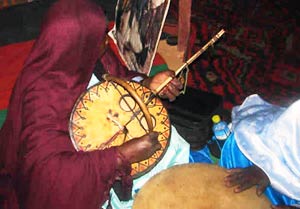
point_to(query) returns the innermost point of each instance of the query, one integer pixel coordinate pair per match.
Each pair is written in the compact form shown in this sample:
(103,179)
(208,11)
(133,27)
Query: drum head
(195,186)
(106,115)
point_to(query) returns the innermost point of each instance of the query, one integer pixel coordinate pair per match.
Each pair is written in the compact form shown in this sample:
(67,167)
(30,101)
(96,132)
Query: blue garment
(232,157)
(200,156)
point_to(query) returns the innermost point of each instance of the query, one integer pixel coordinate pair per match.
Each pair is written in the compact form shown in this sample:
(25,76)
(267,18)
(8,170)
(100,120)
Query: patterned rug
(259,52)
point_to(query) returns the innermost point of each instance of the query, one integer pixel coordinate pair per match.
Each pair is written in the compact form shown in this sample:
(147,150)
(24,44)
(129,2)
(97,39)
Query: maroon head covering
(35,147)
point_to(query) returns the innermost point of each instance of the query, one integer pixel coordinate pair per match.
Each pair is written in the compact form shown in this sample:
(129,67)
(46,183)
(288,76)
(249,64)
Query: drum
(195,186)
(115,111)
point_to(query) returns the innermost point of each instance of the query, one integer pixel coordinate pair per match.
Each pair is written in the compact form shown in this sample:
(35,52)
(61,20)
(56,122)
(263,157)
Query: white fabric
(137,78)
(93,81)
(269,136)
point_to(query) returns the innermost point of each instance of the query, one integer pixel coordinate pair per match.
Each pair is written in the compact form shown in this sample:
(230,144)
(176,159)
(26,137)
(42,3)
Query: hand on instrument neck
(170,90)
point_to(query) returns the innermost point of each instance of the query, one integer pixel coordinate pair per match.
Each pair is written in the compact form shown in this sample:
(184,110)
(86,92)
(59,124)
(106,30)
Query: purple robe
(39,166)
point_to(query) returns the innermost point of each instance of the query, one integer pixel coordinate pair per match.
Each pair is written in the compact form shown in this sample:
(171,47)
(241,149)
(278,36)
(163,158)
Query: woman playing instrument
(39,167)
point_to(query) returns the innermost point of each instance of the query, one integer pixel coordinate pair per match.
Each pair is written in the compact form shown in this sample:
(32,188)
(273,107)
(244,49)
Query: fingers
(171,90)
(261,188)
(153,135)
(239,179)
(245,178)
(177,83)
(140,148)
(233,178)
(240,186)
(169,73)
(244,185)
(154,140)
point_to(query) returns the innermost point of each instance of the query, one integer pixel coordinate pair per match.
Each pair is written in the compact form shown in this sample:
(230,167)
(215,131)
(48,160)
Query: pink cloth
(35,149)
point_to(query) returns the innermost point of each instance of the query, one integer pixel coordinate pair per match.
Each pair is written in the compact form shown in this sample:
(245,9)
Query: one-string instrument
(115,111)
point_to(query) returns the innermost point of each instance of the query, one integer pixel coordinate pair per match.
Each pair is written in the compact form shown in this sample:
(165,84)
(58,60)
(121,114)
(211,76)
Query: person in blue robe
(263,151)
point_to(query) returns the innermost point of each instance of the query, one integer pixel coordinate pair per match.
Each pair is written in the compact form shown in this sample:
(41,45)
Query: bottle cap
(216,118)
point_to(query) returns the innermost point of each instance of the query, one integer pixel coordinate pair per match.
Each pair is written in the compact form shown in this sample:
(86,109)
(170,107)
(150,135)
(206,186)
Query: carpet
(259,52)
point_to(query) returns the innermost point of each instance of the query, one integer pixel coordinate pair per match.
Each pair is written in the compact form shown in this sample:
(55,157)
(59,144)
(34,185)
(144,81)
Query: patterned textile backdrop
(259,52)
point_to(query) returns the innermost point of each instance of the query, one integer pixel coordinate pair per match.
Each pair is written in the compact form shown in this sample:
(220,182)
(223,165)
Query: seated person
(39,166)
(263,151)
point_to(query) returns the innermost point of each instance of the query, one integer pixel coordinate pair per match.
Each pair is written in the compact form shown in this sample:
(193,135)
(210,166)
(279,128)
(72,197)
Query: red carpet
(12,58)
